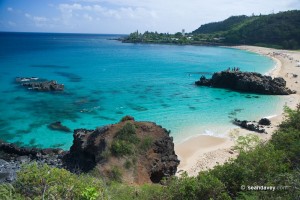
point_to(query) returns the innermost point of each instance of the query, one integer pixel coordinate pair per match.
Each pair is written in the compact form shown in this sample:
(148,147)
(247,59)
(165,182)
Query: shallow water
(106,79)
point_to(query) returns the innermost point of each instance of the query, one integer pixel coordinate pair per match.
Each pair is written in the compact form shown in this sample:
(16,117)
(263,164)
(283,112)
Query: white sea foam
(270,116)
(212,133)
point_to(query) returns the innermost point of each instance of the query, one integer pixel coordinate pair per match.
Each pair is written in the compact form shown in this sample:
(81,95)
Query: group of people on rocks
(235,69)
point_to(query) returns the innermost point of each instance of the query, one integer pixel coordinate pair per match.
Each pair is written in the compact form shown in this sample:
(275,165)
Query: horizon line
(37,32)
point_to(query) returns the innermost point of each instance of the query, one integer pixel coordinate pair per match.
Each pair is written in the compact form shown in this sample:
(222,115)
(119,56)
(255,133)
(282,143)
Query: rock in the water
(265,122)
(33,83)
(251,126)
(247,82)
(57,126)
(151,157)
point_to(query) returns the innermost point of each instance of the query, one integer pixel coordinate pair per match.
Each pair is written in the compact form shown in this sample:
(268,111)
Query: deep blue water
(106,80)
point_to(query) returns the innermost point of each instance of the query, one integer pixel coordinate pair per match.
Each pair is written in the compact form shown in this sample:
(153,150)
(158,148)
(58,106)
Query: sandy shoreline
(204,152)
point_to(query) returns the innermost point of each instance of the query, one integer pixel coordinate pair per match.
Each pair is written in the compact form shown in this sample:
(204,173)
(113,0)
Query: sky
(126,16)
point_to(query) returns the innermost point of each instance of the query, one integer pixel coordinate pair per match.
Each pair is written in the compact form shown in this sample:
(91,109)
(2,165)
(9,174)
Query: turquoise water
(106,80)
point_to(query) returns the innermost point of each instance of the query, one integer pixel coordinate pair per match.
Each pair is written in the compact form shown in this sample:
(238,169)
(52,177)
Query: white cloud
(76,12)
(10,9)
(88,17)
(89,1)
(11,23)
(39,21)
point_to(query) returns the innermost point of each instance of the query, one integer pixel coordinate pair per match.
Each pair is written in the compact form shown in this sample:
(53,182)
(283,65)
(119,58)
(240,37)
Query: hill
(281,30)
(221,26)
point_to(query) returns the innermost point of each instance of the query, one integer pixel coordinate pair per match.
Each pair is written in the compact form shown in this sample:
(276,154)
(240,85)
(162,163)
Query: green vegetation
(128,164)
(274,164)
(281,30)
(146,143)
(246,143)
(225,25)
(8,192)
(287,139)
(204,186)
(115,174)
(121,148)
(128,133)
(160,38)
(125,141)
(44,182)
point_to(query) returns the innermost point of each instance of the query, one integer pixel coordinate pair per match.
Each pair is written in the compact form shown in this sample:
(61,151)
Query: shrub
(127,164)
(204,186)
(52,183)
(105,154)
(246,143)
(289,142)
(121,191)
(292,118)
(256,167)
(8,192)
(287,138)
(121,148)
(143,192)
(126,118)
(90,193)
(125,141)
(115,174)
(128,133)
(146,143)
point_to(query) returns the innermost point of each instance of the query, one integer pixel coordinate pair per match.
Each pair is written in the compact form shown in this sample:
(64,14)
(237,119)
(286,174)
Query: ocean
(106,79)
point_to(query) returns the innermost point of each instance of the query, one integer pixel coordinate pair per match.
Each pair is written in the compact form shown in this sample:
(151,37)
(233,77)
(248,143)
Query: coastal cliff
(246,82)
(130,151)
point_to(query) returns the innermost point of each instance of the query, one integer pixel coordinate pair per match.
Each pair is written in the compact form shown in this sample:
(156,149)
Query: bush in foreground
(42,181)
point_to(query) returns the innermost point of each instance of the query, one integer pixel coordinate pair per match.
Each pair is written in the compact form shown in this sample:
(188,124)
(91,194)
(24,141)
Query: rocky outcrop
(167,164)
(249,125)
(35,83)
(7,171)
(12,149)
(150,157)
(247,82)
(12,157)
(264,121)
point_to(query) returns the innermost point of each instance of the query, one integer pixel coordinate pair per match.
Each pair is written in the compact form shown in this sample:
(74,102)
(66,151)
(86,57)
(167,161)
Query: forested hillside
(280,30)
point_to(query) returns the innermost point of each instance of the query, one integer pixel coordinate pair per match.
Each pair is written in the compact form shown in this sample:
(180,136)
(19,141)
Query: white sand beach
(204,152)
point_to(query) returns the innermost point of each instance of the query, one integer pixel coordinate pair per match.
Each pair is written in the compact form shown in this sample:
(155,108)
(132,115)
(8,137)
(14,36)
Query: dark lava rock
(247,82)
(57,126)
(248,125)
(7,172)
(34,83)
(12,157)
(91,149)
(265,122)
